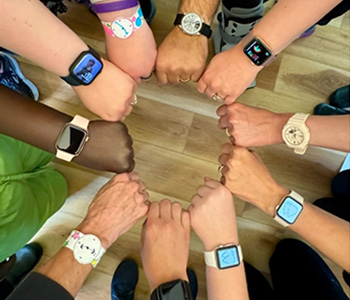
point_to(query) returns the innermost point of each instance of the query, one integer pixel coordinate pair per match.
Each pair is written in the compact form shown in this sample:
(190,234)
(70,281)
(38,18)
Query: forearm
(205,8)
(326,232)
(29,29)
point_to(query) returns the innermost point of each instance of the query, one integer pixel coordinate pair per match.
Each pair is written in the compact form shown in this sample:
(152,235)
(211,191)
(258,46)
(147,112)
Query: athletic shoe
(341,97)
(324,109)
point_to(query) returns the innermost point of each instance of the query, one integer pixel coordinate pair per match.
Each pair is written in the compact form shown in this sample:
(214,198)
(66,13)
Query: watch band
(77,121)
(293,195)
(211,258)
(205,29)
(173,290)
(114,6)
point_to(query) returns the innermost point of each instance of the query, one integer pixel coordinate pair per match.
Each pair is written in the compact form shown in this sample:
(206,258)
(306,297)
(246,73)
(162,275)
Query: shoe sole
(27,82)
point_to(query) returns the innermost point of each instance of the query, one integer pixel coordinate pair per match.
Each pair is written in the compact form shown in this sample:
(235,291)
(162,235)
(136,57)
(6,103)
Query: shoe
(26,259)
(324,109)
(124,280)
(6,266)
(192,278)
(11,76)
(308,32)
(341,97)
(149,9)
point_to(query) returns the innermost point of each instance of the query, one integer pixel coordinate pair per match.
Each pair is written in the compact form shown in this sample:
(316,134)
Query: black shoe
(148,9)
(6,266)
(341,97)
(124,280)
(192,278)
(324,109)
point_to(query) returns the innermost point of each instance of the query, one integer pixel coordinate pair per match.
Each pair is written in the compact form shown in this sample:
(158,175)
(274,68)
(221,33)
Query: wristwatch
(224,256)
(296,134)
(289,209)
(259,53)
(85,68)
(72,138)
(192,24)
(87,248)
(173,290)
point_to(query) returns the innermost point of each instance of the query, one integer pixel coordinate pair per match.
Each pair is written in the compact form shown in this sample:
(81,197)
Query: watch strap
(114,6)
(293,195)
(157,294)
(210,257)
(205,29)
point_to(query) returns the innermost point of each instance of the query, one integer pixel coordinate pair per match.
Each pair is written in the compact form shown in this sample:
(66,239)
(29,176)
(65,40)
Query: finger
(226,148)
(222,110)
(185,77)
(174,78)
(223,158)
(145,196)
(185,219)
(142,186)
(176,210)
(154,210)
(195,199)
(202,190)
(201,86)
(165,209)
(210,92)
(134,176)
(128,110)
(212,184)
(230,99)
(224,122)
(162,77)
(223,180)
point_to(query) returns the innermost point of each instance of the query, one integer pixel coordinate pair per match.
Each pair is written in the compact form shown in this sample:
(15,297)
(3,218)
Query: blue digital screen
(228,257)
(290,210)
(87,69)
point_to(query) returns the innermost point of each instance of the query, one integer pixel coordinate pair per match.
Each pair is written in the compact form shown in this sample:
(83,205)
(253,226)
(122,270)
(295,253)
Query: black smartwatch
(173,290)
(85,68)
(192,24)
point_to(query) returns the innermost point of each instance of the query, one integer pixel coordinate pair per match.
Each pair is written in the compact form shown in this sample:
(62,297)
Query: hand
(165,243)
(228,75)
(109,148)
(181,56)
(245,175)
(213,216)
(251,126)
(110,95)
(118,205)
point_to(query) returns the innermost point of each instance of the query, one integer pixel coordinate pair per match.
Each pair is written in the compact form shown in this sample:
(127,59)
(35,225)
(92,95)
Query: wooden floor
(177,143)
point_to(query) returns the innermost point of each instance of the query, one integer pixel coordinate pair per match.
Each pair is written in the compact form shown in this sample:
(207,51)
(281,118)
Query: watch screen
(257,52)
(289,210)
(87,68)
(191,23)
(71,139)
(294,135)
(228,257)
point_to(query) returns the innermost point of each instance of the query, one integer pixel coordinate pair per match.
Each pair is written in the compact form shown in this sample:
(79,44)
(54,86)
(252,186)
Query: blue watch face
(87,68)
(290,210)
(227,257)
(257,52)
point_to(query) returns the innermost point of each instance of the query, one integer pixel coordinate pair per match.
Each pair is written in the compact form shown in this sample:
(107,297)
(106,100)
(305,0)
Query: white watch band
(297,198)
(211,259)
(298,118)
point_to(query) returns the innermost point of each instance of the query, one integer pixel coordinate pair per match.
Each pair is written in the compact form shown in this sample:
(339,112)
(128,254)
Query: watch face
(87,68)
(227,257)
(71,139)
(87,248)
(289,210)
(122,28)
(191,23)
(294,135)
(257,52)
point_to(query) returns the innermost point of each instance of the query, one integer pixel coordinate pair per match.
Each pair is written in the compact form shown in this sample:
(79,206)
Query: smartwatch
(85,68)
(87,248)
(295,133)
(258,52)
(173,290)
(192,24)
(72,138)
(289,209)
(224,257)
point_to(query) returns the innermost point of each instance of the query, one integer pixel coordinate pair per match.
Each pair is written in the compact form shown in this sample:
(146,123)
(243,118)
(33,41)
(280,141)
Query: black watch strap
(173,290)
(71,79)
(205,30)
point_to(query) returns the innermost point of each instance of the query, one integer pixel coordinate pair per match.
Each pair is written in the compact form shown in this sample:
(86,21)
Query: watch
(224,256)
(259,53)
(289,209)
(296,134)
(173,290)
(72,138)
(87,248)
(192,24)
(85,68)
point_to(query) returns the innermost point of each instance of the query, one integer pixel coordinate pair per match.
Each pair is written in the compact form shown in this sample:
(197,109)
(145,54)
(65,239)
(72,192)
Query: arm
(181,55)
(116,208)
(231,72)
(250,126)
(108,149)
(29,29)
(247,177)
(213,218)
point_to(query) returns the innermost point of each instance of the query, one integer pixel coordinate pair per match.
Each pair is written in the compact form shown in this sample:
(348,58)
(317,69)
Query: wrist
(237,52)
(273,199)
(278,124)
(224,239)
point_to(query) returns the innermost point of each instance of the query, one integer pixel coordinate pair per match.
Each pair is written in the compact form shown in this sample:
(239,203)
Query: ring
(184,80)
(227,132)
(135,100)
(147,78)
(220,168)
(217,98)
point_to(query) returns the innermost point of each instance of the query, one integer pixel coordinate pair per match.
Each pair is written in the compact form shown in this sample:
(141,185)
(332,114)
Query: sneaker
(324,109)
(341,98)
(11,76)
(124,280)
(192,278)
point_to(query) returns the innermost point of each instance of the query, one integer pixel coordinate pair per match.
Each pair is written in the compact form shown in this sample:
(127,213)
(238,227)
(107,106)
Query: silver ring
(227,132)
(184,80)
(220,168)
(217,98)
(135,100)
